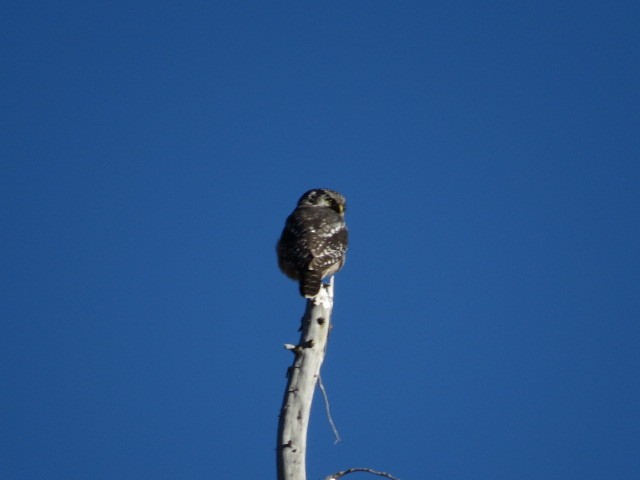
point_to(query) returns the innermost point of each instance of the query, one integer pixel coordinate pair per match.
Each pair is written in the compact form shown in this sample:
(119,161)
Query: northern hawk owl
(314,241)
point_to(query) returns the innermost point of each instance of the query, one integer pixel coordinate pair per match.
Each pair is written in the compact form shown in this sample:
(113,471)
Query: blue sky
(486,322)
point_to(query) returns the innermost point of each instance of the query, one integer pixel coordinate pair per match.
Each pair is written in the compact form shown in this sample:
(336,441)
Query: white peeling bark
(302,379)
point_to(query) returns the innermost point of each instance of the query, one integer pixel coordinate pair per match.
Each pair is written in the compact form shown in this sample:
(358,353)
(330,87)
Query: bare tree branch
(337,475)
(302,378)
(328,410)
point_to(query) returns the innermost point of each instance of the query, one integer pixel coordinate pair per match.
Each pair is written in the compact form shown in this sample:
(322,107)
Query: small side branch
(302,378)
(327,409)
(337,475)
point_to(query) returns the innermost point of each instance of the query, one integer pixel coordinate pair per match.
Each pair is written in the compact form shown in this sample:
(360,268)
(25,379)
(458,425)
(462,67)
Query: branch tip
(337,475)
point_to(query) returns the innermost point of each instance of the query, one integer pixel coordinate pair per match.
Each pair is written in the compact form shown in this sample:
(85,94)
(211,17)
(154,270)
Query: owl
(314,241)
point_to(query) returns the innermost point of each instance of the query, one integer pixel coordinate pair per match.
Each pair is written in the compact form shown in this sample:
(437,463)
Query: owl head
(323,197)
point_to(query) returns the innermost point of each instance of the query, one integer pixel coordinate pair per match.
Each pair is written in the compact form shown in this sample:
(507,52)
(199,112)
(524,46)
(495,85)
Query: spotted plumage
(314,241)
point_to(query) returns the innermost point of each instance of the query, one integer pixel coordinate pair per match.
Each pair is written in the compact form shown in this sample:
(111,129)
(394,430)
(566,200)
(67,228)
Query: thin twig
(337,475)
(328,410)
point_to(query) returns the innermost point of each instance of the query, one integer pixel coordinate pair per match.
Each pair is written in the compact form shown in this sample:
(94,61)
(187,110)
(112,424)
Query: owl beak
(341,208)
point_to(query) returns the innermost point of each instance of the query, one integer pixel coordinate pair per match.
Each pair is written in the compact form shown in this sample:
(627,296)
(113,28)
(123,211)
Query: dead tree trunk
(302,378)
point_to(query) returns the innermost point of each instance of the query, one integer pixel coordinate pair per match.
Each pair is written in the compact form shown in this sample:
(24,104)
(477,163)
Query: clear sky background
(486,323)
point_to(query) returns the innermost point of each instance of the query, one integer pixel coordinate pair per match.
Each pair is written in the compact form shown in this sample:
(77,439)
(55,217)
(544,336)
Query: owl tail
(310,284)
